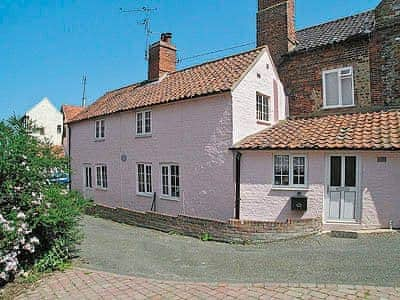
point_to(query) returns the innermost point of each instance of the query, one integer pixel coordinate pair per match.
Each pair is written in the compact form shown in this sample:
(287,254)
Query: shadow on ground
(122,249)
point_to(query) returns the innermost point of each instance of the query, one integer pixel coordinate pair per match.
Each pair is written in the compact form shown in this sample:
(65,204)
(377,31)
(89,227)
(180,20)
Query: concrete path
(87,284)
(127,250)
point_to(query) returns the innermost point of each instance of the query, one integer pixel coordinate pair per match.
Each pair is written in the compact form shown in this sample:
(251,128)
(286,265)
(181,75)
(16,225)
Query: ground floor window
(87,175)
(144,178)
(101,176)
(170,185)
(290,170)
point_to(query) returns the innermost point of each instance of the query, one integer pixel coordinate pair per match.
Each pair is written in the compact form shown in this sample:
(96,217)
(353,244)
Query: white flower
(21,216)
(2,220)
(7,227)
(48,204)
(3,276)
(29,247)
(34,240)
(24,157)
(33,194)
(36,202)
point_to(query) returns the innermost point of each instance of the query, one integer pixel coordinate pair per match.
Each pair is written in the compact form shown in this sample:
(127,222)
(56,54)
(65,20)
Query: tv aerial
(145,22)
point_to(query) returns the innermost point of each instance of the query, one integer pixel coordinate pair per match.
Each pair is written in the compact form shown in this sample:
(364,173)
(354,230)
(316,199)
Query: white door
(342,189)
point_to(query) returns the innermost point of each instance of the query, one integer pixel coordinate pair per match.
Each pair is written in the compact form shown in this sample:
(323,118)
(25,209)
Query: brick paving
(80,283)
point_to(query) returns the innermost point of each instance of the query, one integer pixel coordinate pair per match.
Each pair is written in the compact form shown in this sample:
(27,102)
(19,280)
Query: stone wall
(231,231)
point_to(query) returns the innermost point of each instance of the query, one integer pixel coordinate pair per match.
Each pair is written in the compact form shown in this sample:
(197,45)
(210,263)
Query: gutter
(238,157)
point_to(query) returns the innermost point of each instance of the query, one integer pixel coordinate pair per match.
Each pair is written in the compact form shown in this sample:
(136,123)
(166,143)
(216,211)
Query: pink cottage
(225,139)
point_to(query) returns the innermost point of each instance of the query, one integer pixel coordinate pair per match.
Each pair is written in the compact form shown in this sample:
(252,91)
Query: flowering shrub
(38,220)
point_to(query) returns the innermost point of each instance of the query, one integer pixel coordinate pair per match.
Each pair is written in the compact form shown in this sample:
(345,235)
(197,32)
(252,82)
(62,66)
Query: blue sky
(47,45)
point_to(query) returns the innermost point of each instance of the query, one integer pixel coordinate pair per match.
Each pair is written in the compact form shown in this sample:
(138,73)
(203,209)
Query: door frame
(358,204)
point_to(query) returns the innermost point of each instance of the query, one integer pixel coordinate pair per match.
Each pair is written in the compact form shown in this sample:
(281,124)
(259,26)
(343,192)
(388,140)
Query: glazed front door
(342,188)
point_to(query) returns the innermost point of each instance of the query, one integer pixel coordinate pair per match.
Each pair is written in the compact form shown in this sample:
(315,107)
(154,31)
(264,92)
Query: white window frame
(169,195)
(146,192)
(291,158)
(85,181)
(340,77)
(103,184)
(98,124)
(262,112)
(143,119)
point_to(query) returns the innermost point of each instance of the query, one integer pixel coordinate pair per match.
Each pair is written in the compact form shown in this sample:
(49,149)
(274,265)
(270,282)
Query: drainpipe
(69,157)
(237,186)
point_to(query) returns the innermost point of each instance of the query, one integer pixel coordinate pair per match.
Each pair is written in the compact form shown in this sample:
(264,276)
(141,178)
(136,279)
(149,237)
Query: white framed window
(170,181)
(100,129)
(101,176)
(87,177)
(290,170)
(338,87)
(262,107)
(143,122)
(144,179)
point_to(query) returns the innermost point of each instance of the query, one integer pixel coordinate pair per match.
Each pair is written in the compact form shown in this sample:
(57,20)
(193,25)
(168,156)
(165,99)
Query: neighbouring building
(69,112)
(307,125)
(45,122)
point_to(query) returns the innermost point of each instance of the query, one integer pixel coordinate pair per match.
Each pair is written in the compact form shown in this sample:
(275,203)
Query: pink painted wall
(380,189)
(259,79)
(259,201)
(195,134)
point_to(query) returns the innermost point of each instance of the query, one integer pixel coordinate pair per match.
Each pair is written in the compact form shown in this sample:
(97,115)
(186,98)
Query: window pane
(298,170)
(148,121)
(350,177)
(98,176)
(139,123)
(347,91)
(90,177)
(281,169)
(332,89)
(104,176)
(148,179)
(336,170)
(140,178)
(102,130)
(165,188)
(175,181)
(97,130)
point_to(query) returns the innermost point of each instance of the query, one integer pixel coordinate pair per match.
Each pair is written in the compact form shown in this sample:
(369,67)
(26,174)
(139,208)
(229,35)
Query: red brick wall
(276,26)
(162,59)
(231,231)
(302,75)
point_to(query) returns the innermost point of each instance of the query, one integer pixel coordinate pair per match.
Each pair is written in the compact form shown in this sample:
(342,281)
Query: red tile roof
(369,131)
(70,111)
(208,78)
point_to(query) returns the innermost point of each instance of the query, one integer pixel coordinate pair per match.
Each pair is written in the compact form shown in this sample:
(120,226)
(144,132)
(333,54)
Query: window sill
(99,140)
(101,189)
(290,188)
(337,106)
(141,136)
(144,195)
(261,122)
(346,222)
(169,198)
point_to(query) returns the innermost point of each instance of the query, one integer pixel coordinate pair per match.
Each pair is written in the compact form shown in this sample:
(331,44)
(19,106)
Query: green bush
(39,220)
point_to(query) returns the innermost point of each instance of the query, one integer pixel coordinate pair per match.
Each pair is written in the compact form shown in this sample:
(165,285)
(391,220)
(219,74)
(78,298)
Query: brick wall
(385,54)
(162,59)
(276,26)
(302,75)
(230,231)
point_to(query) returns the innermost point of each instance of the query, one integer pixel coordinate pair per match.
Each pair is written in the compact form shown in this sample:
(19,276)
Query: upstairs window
(262,107)
(100,129)
(101,177)
(59,129)
(338,88)
(143,122)
(144,179)
(170,186)
(290,170)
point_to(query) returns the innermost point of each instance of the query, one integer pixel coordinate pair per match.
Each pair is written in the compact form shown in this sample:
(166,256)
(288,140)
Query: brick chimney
(276,26)
(162,57)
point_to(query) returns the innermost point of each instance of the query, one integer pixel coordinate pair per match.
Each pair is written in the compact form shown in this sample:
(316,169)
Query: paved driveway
(127,250)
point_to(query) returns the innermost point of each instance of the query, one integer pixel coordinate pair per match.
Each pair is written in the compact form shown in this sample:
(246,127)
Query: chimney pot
(166,37)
